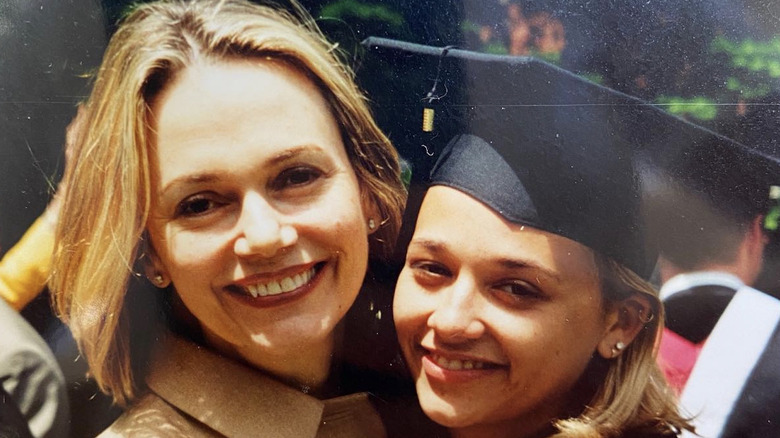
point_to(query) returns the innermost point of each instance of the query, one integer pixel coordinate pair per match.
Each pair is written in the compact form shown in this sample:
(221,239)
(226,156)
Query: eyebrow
(201,178)
(438,247)
(433,246)
(508,263)
(292,153)
(198,178)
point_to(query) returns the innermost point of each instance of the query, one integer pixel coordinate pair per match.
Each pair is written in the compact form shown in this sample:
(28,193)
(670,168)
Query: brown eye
(296,177)
(196,206)
(431,268)
(429,273)
(519,290)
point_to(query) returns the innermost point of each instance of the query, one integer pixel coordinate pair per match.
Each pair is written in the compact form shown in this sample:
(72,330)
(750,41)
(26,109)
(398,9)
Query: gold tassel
(427,121)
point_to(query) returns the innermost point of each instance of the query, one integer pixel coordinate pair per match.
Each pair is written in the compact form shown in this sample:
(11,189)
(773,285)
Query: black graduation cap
(549,149)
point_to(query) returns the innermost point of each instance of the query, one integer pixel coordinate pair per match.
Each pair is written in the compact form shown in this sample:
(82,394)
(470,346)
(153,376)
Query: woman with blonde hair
(522,308)
(228,160)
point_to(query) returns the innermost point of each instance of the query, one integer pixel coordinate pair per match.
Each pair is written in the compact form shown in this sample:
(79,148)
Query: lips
(284,285)
(289,283)
(451,367)
(457,364)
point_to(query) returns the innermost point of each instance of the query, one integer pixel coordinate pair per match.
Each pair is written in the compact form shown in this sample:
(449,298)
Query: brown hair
(101,228)
(634,394)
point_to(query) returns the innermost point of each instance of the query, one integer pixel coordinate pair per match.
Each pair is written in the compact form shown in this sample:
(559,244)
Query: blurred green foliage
(495,48)
(551,57)
(754,65)
(749,70)
(593,77)
(750,55)
(350,10)
(700,107)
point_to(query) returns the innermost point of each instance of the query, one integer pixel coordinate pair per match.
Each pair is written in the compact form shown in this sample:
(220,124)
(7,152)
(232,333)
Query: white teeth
(277,287)
(456,364)
(274,288)
(287,284)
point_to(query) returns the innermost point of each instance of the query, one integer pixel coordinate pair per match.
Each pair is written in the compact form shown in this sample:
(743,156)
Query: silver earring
(371,224)
(618,348)
(158,280)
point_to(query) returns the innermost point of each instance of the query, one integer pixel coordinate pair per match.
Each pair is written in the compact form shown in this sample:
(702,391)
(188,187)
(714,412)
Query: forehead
(469,229)
(217,111)
(243,87)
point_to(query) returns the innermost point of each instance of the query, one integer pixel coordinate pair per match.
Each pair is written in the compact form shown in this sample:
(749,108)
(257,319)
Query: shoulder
(151,417)
(20,338)
(29,373)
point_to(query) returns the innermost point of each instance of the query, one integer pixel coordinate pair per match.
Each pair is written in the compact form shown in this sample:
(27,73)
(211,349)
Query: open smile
(452,368)
(284,285)
(266,292)
(457,364)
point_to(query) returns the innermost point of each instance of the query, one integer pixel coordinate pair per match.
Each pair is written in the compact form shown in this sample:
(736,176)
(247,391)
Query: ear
(750,254)
(371,213)
(154,269)
(757,238)
(624,321)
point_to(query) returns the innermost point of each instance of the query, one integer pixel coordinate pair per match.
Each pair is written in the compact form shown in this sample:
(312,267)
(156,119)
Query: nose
(456,317)
(263,231)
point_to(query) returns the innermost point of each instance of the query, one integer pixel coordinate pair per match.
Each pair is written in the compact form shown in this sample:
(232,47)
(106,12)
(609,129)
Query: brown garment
(194,392)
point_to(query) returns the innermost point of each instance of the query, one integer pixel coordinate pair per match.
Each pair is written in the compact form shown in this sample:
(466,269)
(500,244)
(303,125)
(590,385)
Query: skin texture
(251,184)
(525,303)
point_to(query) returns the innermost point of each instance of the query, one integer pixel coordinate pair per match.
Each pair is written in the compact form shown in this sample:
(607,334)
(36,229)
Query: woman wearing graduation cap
(521,308)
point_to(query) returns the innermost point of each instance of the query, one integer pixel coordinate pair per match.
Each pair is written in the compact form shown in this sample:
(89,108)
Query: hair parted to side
(634,394)
(102,222)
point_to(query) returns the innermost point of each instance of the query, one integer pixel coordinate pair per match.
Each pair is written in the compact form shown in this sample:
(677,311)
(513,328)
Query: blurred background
(713,62)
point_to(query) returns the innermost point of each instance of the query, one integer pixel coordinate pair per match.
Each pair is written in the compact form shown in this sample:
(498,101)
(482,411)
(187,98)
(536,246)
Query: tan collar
(234,399)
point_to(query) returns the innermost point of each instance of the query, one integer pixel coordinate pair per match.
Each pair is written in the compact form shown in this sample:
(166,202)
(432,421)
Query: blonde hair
(634,394)
(101,228)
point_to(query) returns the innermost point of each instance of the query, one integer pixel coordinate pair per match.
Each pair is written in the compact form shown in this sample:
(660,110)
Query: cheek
(410,307)
(565,343)
(335,215)
(191,252)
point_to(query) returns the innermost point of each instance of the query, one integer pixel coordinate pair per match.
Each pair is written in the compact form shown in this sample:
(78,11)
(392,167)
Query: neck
(509,429)
(303,366)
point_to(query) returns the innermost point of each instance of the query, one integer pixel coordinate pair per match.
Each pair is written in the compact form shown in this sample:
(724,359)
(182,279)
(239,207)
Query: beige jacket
(194,392)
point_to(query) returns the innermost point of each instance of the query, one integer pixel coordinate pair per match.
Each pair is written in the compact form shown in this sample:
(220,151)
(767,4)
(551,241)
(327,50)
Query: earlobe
(154,270)
(624,322)
(370,211)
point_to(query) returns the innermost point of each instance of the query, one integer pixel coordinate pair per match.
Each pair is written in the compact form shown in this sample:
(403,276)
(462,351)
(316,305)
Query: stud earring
(159,280)
(618,348)
(371,224)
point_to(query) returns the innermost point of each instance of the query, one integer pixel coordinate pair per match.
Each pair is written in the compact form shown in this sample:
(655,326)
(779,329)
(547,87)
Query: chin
(445,413)
(310,332)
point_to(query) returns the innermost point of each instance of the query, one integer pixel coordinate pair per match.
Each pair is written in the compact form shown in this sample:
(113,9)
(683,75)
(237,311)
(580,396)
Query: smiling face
(497,321)
(256,213)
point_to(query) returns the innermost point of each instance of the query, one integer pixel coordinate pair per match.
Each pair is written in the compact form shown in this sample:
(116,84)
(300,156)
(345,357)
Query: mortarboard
(549,149)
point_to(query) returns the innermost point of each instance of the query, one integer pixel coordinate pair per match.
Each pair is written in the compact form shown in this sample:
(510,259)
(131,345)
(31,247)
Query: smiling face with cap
(498,321)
